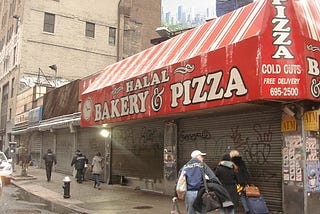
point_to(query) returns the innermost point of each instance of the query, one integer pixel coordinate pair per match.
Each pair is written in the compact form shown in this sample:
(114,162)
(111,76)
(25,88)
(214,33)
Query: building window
(12,87)
(5,91)
(14,56)
(49,20)
(5,64)
(90,29)
(10,113)
(112,36)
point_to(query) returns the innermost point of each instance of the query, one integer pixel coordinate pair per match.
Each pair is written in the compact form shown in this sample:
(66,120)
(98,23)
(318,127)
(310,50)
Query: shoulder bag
(209,199)
(252,191)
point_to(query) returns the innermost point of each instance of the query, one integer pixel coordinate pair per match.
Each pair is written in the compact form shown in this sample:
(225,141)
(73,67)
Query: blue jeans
(96,180)
(189,199)
(244,202)
(226,210)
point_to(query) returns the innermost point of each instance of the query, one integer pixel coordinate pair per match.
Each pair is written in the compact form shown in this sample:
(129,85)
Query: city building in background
(46,44)
(178,14)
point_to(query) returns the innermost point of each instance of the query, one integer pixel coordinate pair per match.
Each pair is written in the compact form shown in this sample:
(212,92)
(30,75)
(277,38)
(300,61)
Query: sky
(199,5)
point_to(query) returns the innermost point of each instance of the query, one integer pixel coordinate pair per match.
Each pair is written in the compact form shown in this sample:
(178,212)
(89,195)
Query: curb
(56,204)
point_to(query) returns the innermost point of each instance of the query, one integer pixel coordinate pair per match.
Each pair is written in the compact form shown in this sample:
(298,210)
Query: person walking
(79,161)
(226,171)
(242,177)
(97,169)
(49,160)
(193,170)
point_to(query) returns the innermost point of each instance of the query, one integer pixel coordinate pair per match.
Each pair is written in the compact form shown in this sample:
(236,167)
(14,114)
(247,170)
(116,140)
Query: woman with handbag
(242,177)
(226,171)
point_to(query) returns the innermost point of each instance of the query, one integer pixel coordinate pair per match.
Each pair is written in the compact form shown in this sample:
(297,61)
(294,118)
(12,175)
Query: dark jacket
(226,173)
(193,171)
(222,195)
(79,161)
(50,158)
(243,175)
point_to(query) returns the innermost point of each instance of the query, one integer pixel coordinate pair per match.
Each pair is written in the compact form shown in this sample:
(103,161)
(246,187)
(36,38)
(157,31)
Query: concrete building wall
(74,54)
(26,57)
(141,18)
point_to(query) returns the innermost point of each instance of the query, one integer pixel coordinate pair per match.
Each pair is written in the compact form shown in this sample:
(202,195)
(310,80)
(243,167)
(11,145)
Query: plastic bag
(181,187)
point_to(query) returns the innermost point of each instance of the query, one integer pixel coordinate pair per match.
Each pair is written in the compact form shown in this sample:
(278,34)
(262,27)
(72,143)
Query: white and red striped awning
(308,14)
(265,50)
(230,28)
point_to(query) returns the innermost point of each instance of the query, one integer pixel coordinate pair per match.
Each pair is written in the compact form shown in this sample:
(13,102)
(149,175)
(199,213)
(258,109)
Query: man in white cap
(193,171)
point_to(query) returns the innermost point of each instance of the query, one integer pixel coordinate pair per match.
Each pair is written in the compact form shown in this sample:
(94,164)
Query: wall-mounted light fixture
(104,133)
(55,69)
(72,130)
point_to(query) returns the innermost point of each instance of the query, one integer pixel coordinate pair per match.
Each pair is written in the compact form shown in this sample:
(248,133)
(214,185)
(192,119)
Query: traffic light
(12,149)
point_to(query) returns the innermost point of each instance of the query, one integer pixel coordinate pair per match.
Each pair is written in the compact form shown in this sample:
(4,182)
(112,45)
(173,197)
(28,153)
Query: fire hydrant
(66,187)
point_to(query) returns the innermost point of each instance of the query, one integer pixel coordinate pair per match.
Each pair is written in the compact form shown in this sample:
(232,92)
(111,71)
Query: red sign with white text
(267,50)
(199,83)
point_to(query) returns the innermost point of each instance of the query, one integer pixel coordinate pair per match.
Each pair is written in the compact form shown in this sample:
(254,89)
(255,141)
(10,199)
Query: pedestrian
(227,171)
(242,177)
(79,161)
(194,169)
(97,169)
(49,160)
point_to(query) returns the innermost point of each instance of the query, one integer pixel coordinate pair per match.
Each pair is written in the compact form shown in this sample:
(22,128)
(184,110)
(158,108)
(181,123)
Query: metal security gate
(90,142)
(47,143)
(255,134)
(35,148)
(137,150)
(65,142)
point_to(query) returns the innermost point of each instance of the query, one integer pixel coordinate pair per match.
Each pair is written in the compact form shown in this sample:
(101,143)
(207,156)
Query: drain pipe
(120,34)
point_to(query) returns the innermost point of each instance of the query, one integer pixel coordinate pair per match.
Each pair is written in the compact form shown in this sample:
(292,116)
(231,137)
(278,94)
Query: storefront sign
(272,55)
(311,121)
(288,124)
(35,114)
(21,118)
(166,91)
(281,69)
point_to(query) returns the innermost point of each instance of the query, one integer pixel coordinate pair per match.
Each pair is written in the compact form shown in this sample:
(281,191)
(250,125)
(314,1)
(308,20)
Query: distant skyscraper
(180,12)
(168,17)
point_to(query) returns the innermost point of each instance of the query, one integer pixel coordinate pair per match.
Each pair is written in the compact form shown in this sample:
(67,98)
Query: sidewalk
(111,199)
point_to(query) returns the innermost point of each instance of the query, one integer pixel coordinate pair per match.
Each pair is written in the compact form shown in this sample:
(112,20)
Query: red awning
(231,28)
(308,18)
(265,50)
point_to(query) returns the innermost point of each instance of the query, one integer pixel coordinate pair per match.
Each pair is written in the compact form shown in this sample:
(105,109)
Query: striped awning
(309,18)
(231,28)
(267,50)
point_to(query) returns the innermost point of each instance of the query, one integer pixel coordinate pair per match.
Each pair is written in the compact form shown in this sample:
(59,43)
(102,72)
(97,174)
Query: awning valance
(256,52)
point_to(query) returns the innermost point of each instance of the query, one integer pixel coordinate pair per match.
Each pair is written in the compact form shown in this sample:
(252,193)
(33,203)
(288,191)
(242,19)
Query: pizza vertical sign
(281,66)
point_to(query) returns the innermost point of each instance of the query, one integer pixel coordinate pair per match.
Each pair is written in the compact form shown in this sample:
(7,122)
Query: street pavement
(111,199)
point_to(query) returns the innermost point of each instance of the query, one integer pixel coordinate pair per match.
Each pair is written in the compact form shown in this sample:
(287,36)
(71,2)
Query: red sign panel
(282,75)
(266,50)
(218,78)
